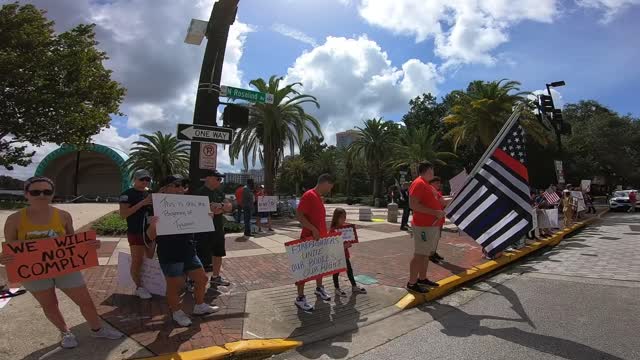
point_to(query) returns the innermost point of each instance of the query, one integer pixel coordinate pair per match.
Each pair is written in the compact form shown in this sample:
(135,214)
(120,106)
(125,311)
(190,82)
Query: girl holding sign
(339,219)
(40,220)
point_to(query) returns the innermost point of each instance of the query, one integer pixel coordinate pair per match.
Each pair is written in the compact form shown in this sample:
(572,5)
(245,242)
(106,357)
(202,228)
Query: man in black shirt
(135,206)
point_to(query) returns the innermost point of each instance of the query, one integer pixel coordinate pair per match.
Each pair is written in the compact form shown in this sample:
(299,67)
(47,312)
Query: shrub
(111,224)
(233,227)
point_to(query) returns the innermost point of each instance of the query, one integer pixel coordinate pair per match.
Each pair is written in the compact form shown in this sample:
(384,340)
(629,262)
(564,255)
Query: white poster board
(267,203)
(581,205)
(457,182)
(585,185)
(548,218)
(182,214)
(311,259)
(151,274)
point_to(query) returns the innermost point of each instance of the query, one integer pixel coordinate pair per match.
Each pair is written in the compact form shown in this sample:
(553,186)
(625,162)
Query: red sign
(48,258)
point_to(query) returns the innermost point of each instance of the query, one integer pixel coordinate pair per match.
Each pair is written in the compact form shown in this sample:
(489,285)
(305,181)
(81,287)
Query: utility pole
(207,99)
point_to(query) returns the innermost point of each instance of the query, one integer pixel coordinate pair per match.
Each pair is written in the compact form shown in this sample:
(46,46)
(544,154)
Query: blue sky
(361,58)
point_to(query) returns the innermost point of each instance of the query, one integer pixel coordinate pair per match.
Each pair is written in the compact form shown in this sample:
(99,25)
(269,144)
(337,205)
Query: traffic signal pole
(222,17)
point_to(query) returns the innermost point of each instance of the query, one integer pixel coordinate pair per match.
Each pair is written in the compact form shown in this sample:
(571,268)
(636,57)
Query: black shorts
(210,244)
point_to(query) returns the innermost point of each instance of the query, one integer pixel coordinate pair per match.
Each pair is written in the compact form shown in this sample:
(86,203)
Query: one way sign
(205,133)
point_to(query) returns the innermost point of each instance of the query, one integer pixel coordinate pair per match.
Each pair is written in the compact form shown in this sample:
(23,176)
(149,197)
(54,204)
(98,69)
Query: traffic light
(546,103)
(235,116)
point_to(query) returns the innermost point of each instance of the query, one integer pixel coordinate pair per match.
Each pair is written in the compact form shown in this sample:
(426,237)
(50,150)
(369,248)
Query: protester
(339,219)
(262,215)
(177,257)
(239,191)
(588,200)
(247,205)
(312,216)
(428,217)
(404,204)
(633,198)
(567,208)
(40,220)
(135,206)
(436,182)
(211,245)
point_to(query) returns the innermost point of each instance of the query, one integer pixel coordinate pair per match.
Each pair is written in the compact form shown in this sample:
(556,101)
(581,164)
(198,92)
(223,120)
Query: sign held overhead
(205,133)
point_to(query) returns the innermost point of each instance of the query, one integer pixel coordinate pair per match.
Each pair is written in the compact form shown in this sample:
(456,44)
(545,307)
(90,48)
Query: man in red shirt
(428,217)
(239,203)
(313,218)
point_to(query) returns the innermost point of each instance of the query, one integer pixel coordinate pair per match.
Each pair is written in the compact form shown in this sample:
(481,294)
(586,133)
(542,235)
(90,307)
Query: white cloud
(611,8)
(354,79)
(295,34)
(464,31)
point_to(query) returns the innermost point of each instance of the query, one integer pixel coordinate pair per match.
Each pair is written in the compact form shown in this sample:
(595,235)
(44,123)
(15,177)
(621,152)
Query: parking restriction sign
(208,156)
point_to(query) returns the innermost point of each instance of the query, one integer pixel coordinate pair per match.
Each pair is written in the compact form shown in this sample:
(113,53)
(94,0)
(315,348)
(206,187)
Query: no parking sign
(208,156)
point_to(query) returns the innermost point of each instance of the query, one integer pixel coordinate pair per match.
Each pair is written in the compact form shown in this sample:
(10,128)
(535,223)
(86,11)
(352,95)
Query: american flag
(494,206)
(551,197)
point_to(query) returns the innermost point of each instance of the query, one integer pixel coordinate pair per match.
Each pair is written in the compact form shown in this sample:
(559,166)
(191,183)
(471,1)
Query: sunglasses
(178,184)
(145,179)
(40,192)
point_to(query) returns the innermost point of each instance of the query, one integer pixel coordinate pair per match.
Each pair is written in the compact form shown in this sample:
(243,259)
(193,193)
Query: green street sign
(244,94)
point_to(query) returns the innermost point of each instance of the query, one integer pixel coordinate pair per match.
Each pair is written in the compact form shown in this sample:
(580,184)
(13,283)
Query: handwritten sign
(150,275)
(182,214)
(579,201)
(267,203)
(313,259)
(48,258)
(585,185)
(349,233)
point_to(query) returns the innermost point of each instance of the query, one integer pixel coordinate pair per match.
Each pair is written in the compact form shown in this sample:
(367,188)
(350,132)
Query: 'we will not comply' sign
(48,258)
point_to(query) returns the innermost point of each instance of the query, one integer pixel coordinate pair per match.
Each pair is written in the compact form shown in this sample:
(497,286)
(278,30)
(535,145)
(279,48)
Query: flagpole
(496,142)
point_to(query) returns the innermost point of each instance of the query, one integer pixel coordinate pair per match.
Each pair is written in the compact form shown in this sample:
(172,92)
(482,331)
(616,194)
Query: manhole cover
(366,280)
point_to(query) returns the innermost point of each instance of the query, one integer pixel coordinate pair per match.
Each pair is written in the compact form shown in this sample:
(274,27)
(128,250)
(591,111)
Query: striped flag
(551,197)
(494,205)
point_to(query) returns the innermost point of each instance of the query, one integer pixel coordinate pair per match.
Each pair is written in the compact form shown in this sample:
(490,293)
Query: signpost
(244,94)
(205,133)
(208,156)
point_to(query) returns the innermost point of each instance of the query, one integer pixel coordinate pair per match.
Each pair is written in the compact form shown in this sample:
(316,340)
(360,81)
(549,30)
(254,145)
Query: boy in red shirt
(313,218)
(428,217)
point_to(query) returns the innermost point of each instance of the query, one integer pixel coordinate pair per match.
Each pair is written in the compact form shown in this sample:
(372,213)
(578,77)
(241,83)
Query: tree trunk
(77,175)
(297,188)
(269,171)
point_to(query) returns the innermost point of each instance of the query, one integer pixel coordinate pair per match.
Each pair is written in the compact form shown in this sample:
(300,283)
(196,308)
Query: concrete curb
(244,349)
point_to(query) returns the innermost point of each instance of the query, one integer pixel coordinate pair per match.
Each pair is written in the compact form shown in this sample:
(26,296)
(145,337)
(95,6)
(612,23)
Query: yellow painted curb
(245,348)
(447,284)
(210,353)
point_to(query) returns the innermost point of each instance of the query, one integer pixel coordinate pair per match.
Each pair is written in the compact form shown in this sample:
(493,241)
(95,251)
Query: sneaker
(68,340)
(340,292)
(435,259)
(437,256)
(358,290)
(143,293)
(320,291)
(404,228)
(301,302)
(204,309)
(416,288)
(190,285)
(271,230)
(181,318)
(107,332)
(218,281)
(427,282)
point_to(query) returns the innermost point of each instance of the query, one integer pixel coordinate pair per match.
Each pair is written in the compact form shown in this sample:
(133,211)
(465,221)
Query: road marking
(254,335)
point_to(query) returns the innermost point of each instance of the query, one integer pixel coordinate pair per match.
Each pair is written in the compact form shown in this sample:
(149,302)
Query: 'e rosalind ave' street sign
(244,94)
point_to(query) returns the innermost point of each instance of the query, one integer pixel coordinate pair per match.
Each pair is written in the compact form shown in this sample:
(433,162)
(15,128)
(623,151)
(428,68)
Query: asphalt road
(566,303)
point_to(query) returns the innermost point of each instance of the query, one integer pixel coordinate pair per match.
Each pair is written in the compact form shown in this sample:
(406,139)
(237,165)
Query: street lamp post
(207,99)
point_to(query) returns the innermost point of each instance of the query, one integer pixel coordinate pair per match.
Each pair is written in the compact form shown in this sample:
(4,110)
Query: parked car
(620,200)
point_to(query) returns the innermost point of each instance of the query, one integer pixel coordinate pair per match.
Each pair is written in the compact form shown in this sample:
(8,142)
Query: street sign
(205,133)
(244,94)
(208,156)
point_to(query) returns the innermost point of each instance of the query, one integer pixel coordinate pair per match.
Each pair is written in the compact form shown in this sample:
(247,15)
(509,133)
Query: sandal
(5,294)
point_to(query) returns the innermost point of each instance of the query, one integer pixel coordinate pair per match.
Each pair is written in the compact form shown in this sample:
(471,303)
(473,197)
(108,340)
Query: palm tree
(347,158)
(295,168)
(479,113)
(161,154)
(272,126)
(375,145)
(415,145)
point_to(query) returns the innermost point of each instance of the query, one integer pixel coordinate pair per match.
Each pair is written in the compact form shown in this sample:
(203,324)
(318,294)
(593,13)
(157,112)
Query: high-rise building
(241,178)
(346,138)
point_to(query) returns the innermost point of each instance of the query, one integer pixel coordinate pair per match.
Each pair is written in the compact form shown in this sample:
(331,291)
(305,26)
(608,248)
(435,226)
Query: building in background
(241,178)
(346,138)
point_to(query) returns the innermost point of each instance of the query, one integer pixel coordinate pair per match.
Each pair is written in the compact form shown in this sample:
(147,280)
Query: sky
(360,58)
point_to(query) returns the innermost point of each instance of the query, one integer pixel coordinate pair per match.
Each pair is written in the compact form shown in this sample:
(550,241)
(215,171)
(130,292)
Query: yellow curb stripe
(209,353)
(255,348)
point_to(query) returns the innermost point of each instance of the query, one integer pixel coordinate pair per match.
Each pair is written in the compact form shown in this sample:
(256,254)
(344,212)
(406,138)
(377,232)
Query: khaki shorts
(427,244)
(67,281)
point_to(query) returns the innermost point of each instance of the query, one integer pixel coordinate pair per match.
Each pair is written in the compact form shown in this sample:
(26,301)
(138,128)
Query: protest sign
(585,185)
(182,214)
(457,182)
(547,218)
(349,234)
(312,259)
(581,206)
(150,275)
(267,203)
(48,258)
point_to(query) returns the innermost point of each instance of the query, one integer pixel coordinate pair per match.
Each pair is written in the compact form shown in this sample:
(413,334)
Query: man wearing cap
(135,206)
(211,245)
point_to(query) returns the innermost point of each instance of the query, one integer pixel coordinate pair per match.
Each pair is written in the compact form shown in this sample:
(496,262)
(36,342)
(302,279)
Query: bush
(233,227)
(12,204)
(110,224)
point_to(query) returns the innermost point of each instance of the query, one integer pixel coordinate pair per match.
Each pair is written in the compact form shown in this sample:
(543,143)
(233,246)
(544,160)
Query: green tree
(426,111)
(274,126)
(375,145)
(55,87)
(347,160)
(292,173)
(161,154)
(415,145)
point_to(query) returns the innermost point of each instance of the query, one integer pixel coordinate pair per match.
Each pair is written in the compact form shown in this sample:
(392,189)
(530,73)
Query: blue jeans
(239,215)
(405,216)
(247,222)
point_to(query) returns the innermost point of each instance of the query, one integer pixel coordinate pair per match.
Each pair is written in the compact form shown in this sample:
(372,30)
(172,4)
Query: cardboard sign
(48,258)
(457,182)
(182,214)
(267,203)
(150,275)
(585,185)
(208,156)
(349,233)
(313,259)
(579,200)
